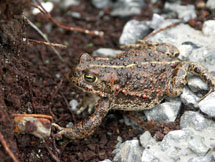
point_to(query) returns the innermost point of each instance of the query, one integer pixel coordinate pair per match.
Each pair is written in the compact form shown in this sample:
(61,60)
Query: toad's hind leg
(201,71)
(178,81)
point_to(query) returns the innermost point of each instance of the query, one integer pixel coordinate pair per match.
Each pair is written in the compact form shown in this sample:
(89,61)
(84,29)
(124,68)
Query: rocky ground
(34,80)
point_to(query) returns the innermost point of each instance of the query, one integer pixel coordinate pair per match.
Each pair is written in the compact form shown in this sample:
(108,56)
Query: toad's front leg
(88,125)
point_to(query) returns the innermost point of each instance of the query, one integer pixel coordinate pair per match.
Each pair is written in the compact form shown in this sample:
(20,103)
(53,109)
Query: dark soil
(28,82)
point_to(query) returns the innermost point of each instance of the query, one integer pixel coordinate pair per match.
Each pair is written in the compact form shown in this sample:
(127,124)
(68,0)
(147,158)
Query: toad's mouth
(89,89)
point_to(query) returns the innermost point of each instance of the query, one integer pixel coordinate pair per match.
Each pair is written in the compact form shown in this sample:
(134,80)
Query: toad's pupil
(89,78)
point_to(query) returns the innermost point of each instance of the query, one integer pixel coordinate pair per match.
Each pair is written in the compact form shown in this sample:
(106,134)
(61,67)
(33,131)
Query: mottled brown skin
(137,79)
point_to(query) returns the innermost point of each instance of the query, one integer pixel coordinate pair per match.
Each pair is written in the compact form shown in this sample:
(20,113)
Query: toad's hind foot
(201,71)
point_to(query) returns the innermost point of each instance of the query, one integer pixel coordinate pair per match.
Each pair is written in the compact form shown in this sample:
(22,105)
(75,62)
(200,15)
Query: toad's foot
(87,126)
(88,102)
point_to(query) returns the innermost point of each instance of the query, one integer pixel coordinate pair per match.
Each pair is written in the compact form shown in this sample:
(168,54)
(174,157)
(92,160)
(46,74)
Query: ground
(29,82)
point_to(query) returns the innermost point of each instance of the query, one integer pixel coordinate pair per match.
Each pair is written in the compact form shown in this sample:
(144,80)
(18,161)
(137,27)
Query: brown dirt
(28,82)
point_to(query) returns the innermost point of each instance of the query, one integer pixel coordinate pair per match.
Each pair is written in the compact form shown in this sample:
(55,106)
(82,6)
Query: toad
(137,79)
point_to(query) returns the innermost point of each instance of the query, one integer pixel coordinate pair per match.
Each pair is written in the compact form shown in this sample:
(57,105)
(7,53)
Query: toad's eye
(90,78)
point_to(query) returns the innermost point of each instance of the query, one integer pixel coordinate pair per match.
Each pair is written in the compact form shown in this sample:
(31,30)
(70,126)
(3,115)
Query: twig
(57,89)
(52,154)
(42,9)
(161,29)
(4,143)
(46,43)
(43,36)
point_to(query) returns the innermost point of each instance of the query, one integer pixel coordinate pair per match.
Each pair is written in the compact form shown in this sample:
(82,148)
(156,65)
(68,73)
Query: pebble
(189,98)
(48,6)
(208,28)
(196,84)
(195,120)
(146,139)
(125,8)
(132,31)
(130,150)
(73,104)
(207,105)
(101,4)
(66,3)
(184,13)
(165,112)
(106,52)
(197,145)
(210,4)
(106,160)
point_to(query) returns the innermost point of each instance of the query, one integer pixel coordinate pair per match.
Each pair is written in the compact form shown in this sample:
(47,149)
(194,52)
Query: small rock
(73,104)
(130,122)
(196,84)
(148,156)
(189,98)
(76,15)
(69,125)
(202,159)
(106,160)
(129,151)
(196,144)
(101,4)
(106,52)
(132,31)
(146,139)
(192,44)
(159,21)
(208,28)
(125,8)
(165,112)
(207,105)
(195,120)
(184,13)
(66,3)
(174,1)
(210,4)
(48,6)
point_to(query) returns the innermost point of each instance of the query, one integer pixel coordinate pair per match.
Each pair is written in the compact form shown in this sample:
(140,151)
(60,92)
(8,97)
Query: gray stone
(195,120)
(129,151)
(132,31)
(124,8)
(160,22)
(106,52)
(165,112)
(146,139)
(73,104)
(130,122)
(196,144)
(208,28)
(207,105)
(76,15)
(192,44)
(202,159)
(106,160)
(189,98)
(69,125)
(101,4)
(174,1)
(196,84)
(66,3)
(176,146)
(184,12)
(210,4)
